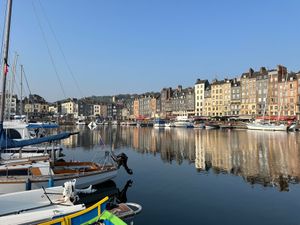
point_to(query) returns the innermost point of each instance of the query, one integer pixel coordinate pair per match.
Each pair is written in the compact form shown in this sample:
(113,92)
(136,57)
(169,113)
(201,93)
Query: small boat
(125,210)
(159,123)
(292,127)
(123,124)
(199,125)
(32,207)
(96,214)
(169,125)
(115,123)
(183,121)
(80,122)
(210,126)
(131,123)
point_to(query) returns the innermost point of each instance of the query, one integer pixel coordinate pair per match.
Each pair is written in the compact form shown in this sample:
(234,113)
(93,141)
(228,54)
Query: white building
(200,86)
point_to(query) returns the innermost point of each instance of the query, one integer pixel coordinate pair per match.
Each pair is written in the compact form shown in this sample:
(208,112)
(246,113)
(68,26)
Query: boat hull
(14,184)
(267,127)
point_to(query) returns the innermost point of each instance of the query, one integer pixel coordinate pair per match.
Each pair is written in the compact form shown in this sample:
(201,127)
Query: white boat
(18,130)
(35,206)
(159,123)
(266,126)
(80,122)
(131,123)
(33,173)
(114,123)
(183,121)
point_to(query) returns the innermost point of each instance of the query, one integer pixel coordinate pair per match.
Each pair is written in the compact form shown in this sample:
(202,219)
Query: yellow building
(36,108)
(287,99)
(248,90)
(136,111)
(226,91)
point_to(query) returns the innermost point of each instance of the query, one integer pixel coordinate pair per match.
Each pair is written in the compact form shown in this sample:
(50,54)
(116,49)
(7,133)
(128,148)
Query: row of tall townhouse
(266,92)
(170,102)
(255,93)
(80,108)
(33,104)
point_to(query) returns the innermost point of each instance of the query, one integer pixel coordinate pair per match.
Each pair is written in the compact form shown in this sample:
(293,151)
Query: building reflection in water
(266,158)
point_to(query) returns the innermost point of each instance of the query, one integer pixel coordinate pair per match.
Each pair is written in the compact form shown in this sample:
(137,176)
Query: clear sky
(134,46)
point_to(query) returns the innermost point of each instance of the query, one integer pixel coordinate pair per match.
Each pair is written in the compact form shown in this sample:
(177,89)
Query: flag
(5,69)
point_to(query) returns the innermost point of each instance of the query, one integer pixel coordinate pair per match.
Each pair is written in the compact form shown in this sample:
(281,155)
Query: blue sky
(135,46)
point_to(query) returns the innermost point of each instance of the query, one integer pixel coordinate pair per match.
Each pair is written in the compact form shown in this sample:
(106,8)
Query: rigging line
(27,84)
(24,75)
(48,48)
(60,48)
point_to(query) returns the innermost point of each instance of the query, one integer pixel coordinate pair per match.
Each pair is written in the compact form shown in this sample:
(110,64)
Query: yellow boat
(91,215)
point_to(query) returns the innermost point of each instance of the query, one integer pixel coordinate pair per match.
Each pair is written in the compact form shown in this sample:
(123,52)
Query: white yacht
(183,121)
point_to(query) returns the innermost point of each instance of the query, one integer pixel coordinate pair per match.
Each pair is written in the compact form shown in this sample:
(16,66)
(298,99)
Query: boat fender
(28,184)
(51,182)
(121,160)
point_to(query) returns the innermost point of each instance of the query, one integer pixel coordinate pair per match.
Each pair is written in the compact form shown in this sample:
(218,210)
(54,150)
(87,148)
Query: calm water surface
(190,176)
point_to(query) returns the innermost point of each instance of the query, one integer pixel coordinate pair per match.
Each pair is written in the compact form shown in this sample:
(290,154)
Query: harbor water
(193,176)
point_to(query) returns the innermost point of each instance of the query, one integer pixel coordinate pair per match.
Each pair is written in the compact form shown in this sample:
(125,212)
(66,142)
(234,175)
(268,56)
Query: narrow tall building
(248,89)
(200,87)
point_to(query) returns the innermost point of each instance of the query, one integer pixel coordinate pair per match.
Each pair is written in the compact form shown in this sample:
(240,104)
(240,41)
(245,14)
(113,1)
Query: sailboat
(32,173)
(266,126)
(263,124)
(18,129)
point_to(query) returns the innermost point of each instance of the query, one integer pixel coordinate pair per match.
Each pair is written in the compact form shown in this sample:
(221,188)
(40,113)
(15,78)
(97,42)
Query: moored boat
(35,206)
(183,121)
(267,126)
(210,126)
(159,123)
(96,214)
(40,172)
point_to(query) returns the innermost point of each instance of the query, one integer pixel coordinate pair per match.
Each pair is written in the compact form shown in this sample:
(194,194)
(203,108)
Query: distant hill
(108,99)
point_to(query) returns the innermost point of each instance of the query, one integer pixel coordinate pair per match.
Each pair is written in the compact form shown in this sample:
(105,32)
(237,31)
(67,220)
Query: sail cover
(42,125)
(6,143)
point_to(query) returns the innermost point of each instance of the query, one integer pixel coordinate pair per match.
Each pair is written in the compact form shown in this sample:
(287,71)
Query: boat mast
(5,60)
(21,95)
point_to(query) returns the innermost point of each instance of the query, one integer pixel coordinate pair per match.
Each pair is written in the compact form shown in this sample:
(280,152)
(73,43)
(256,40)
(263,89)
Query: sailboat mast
(5,60)
(21,95)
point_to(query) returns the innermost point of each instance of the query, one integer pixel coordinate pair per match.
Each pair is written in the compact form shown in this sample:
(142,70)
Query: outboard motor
(121,160)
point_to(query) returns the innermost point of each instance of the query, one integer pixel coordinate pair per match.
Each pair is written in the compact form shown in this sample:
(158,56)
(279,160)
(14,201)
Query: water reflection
(109,188)
(266,158)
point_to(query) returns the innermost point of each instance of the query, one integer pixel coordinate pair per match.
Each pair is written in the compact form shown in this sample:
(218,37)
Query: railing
(81,217)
